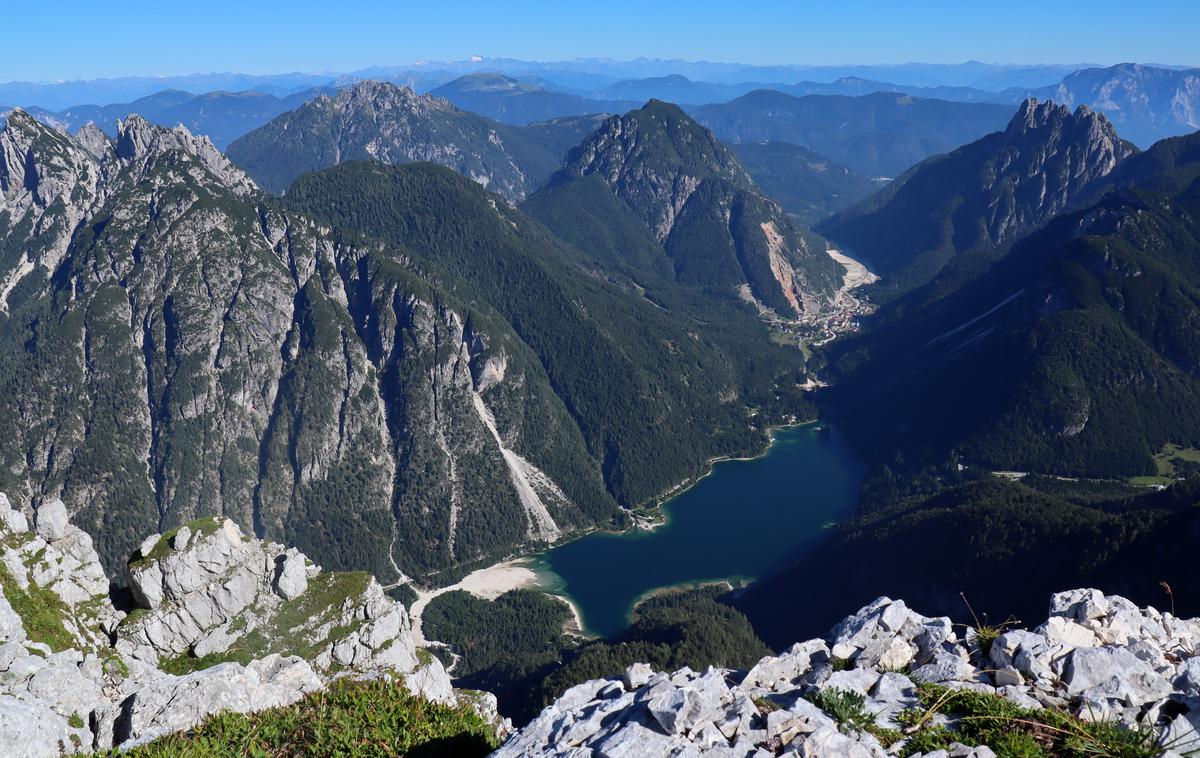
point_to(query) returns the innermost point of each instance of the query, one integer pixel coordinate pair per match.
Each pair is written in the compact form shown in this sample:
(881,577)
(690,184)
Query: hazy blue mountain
(221,116)
(512,101)
(808,185)
(58,95)
(881,134)
(1146,103)
(980,197)
(855,86)
(581,76)
(675,88)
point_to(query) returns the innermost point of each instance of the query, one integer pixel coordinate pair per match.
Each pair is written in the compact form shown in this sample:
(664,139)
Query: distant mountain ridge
(580,76)
(378,120)
(510,101)
(881,134)
(1145,103)
(221,116)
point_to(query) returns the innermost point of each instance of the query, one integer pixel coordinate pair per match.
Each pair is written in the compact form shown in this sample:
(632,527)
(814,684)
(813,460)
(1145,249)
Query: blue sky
(68,39)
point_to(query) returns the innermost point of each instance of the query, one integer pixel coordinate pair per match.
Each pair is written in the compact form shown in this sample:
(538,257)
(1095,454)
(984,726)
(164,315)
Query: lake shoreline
(709,466)
(711,530)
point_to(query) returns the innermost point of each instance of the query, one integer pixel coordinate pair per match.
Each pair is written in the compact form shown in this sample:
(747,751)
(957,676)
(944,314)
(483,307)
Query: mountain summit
(718,231)
(981,196)
(380,121)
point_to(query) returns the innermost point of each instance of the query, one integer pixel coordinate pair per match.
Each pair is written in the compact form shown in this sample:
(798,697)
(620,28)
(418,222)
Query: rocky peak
(379,98)
(1096,658)
(1041,120)
(1048,156)
(242,624)
(141,143)
(654,158)
(95,142)
(50,182)
(34,156)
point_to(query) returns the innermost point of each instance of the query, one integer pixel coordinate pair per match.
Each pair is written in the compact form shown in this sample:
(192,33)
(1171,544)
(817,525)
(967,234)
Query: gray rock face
(172,703)
(52,521)
(1113,674)
(31,730)
(202,590)
(12,519)
(1116,661)
(291,578)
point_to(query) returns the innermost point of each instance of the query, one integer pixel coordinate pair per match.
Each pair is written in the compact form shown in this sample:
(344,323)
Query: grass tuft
(845,707)
(984,718)
(349,719)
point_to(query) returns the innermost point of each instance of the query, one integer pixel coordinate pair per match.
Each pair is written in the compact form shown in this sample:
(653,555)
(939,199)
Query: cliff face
(176,347)
(220,622)
(1099,675)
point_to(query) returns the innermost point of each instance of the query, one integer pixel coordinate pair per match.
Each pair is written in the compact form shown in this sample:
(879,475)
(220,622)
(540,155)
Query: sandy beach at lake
(488,583)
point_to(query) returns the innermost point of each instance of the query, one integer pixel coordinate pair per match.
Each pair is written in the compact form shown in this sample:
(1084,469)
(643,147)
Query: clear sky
(70,39)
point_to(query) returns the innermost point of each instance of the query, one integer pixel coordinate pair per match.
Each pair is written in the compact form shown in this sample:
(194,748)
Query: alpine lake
(743,519)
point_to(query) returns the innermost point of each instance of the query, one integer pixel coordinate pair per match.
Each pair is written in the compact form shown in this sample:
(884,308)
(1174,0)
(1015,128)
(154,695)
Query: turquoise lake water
(737,523)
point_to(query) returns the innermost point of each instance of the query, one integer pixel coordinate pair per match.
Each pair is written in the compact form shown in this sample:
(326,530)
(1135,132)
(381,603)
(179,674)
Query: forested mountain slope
(807,184)
(658,378)
(1075,354)
(1003,545)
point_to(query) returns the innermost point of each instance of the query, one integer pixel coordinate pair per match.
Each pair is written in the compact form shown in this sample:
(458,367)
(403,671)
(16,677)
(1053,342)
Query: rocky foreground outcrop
(221,622)
(1099,658)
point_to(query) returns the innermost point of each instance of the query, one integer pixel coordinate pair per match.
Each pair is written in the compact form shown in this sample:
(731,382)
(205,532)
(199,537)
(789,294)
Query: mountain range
(408,384)
(511,101)
(395,125)
(221,116)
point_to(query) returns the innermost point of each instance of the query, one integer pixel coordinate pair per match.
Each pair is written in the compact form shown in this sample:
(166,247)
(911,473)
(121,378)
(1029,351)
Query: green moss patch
(41,611)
